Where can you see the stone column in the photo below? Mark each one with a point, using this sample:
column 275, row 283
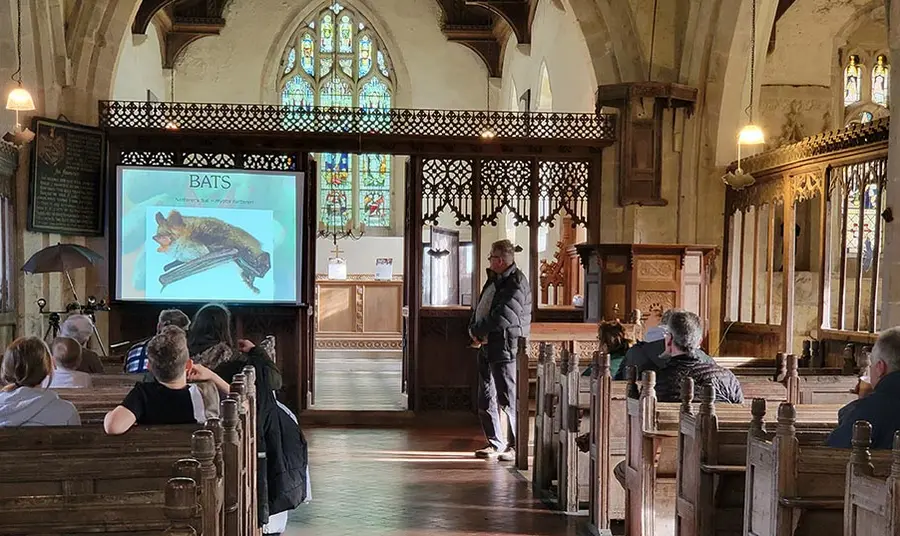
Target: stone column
column 890, row 292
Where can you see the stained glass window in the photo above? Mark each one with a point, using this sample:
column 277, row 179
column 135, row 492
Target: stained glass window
column 291, row 60
column 867, row 203
column 866, row 117
column 852, row 81
column 334, row 53
column 880, row 81
column 307, row 54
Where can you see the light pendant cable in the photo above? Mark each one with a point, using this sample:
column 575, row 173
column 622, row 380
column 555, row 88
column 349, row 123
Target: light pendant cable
column 751, row 134
column 652, row 41
column 488, row 132
column 19, row 100
column 172, row 124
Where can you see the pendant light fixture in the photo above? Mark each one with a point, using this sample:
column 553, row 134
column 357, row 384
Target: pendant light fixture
column 488, row 132
column 19, row 99
column 172, row 124
column 751, row 134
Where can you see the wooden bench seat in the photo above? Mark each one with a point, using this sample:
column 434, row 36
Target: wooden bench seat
column 78, row 480
column 871, row 503
column 796, row 488
column 712, row 458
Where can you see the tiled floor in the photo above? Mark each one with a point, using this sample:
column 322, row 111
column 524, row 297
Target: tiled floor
column 358, row 383
column 422, row 482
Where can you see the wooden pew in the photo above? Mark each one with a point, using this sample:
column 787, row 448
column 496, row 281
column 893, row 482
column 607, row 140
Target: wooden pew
column 871, row 504
column 792, row 484
column 121, row 483
column 712, row 453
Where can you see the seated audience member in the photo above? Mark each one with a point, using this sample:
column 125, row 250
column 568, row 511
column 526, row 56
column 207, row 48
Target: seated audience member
column 66, row 354
column 26, row 363
column 879, row 407
column 612, row 338
column 650, row 354
column 136, row 361
column 683, row 335
column 80, row 328
column 168, row 400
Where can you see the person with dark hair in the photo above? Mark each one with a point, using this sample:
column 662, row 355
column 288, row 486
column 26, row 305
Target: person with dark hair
column 168, row 400
column 501, row 317
column 26, row 363
column 614, row 342
column 66, row 354
column 213, row 344
column 682, row 340
column 136, row 360
column 650, row 353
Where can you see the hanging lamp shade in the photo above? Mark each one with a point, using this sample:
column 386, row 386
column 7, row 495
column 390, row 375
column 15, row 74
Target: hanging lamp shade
column 19, row 100
column 751, row 135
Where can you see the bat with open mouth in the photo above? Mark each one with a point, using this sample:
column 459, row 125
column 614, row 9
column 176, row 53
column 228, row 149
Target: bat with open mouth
column 198, row 244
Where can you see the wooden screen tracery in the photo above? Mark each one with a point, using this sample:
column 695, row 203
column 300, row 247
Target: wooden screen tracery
column 828, row 190
column 506, row 184
column 563, row 187
column 447, row 185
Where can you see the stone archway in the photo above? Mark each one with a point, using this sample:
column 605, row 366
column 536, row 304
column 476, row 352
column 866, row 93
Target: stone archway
column 611, row 39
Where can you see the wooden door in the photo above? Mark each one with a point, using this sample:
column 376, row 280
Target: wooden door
column 409, row 278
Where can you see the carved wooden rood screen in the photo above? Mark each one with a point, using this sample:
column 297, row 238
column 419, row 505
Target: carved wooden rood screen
column 808, row 232
column 538, row 167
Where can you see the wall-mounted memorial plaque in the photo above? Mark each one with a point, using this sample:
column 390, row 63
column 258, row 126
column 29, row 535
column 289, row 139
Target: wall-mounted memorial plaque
column 67, row 186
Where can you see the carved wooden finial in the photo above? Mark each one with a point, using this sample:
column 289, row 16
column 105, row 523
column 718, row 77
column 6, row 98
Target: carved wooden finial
column 203, row 446
column 568, row 362
column 229, row 410
column 865, row 358
column 792, row 370
column 787, row 416
column 758, row 415
column 895, row 456
column 180, row 505
column 707, row 399
column 687, row 396
column 648, row 384
column 847, row 355
column 860, row 455
column 631, row 378
column 780, row 367
column 187, row 468
column 600, row 365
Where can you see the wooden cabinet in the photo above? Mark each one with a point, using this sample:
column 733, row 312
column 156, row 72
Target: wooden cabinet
column 359, row 315
column 620, row 278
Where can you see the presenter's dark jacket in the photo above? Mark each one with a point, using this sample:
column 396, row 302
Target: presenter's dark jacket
column 879, row 408
column 650, row 356
column 509, row 316
column 281, row 475
column 670, row 377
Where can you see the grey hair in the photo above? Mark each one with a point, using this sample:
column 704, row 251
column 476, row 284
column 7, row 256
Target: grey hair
column 174, row 317
column 685, row 329
column 504, row 249
column 667, row 314
column 78, row 327
column 887, row 349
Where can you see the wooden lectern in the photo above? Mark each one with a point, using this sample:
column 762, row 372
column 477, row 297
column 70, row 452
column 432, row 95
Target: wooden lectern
column 619, row 278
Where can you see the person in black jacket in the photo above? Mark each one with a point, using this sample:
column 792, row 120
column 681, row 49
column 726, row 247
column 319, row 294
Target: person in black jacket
column 682, row 340
column 502, row 316
column 650, row 354
column 281, row 484
column 878, row 407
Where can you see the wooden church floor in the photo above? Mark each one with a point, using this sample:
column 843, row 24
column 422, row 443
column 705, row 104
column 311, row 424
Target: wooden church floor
column 416, row 482
column 355, row 383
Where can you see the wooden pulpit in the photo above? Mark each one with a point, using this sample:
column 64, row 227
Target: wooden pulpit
column 619, row 278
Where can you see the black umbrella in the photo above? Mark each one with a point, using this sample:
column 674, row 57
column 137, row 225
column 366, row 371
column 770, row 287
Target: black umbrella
column 61, row 258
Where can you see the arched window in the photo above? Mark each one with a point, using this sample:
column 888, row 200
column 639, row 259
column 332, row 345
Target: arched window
column 880, row 80
column 337, row 59
column 866, row 117
column 852, row 81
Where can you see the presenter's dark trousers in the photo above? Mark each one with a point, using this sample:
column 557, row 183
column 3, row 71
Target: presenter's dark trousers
column 496, row 391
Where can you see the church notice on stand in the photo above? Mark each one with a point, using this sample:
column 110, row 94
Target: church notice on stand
column 384, row 269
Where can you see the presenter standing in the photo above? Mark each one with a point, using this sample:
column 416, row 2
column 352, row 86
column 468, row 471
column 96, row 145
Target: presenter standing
column 502, row 316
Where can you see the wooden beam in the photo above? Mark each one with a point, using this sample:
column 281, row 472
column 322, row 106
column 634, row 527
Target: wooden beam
column 146, row 11
column 516, row 13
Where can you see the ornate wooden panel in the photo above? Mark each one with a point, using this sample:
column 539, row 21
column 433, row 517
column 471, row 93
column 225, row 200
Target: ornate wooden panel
column 446, row 365
column 563, row 186
column 359, row 314
column 506, row 184
column 447, row 185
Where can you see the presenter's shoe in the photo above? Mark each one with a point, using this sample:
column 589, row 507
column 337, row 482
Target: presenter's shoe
column 508, row 455
column 487, row 453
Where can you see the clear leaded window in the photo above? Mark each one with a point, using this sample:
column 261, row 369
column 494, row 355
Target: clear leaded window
column 336, row 59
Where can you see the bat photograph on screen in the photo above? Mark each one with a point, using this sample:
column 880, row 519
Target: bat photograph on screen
column 195, row 235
